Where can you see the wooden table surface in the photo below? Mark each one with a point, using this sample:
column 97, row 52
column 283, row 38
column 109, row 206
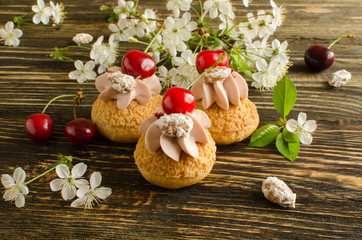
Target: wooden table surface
column 326, row 175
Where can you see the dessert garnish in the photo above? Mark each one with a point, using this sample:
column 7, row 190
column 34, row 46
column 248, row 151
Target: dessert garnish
column 207, row 58
column 178, row 100
column 175, row 125
column 174, row 132
column 319, row 58
column 222, row 86
column 116, row 85
column 39, row 126
column 339, row 78
column 278, row 192
column 138, row 64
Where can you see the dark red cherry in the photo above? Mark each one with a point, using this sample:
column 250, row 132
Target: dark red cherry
column 207, row 58
column 137, row 63
column 39, row 127
column 319, row 58
column 79, row 131
column 178, row 100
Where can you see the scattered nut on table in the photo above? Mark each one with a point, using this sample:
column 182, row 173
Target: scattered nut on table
column 339, row 78
column 278, row 192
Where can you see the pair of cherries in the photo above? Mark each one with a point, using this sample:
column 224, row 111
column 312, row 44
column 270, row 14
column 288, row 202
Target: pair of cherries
column 175, row 99
column 180, row 100
column 39, row 126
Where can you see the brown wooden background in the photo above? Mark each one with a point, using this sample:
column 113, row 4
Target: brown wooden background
column 228, row 204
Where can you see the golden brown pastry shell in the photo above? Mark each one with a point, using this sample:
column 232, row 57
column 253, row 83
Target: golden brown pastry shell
column 232, row 125
column 121, row 125
column 161, row 170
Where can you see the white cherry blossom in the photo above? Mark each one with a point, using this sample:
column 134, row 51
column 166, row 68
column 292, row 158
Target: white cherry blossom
column 246, row 3
column 68, row 181
column 213, row 7
column 120, row 32
column 88, row 194
column 57, row 12
column 302, row 127
column 149, row 18
column 104, row 54
column 124, row 9
column 166, row 76
column 176, row 5
column 9, row 35
column 249, row 29
column 84, row 72
column 136, row 28
column 42, row 13
column 15, row 188
column 267, row 75
column 266, row 25
column 278, row 13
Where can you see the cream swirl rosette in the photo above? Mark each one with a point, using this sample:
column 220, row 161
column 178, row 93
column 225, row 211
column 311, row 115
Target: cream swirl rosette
column 124, row 88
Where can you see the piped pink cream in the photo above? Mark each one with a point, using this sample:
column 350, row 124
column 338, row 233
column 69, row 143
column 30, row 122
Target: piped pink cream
column 176, row 132
column 116, row 85
column 222, row 86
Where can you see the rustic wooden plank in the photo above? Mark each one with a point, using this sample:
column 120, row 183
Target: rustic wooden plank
column 228, row 204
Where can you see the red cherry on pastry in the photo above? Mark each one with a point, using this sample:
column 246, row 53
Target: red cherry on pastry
column 79, row 131
column 207, row 58
column 137, row 63
column 178, row 100
column 39, row 127
column 319, row 58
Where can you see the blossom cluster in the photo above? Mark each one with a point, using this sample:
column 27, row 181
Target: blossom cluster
column 70, row 183
column 175, row 41
column 52, row 13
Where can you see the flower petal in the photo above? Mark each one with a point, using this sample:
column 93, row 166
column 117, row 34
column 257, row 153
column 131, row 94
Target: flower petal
column 79, row 202
column 69, row 192
column 310, row 126
column 8, row 196
column 89, row 65
column 24, row 189
column 302, row 118
column 305, row 137
column 82, row 191
column 292, row 126
column 74, row 74
column 9, row 26
column 170, row 147
column 7, row 180
column 56, row 184
column 79, row 169
column 81, row 183
column 62, row 170
column 79, row 65
column 19, row 175
column 95, row 179
column 20, row 201
column 103, row 192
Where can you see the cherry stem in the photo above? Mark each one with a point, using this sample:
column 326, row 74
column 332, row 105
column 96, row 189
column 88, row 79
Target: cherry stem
column 67, row 160
column 75, row 115
column 61, row 96
column 221, row 58
column 153, row 39
column 338, row 39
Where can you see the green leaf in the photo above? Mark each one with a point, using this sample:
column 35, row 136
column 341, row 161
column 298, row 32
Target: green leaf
column 284, row 96
column 239, row 63
column 289, row 136
column 264, row 136
column 289, row 150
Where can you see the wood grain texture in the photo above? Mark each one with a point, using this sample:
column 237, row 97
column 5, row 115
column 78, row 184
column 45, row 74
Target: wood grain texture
column 326, row 176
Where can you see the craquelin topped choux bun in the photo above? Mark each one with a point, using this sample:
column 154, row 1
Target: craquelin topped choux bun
column 175, row 150
column 124, row 103
column 223, row 94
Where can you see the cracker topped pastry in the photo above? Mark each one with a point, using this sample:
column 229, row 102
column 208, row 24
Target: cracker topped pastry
column 223, row 94
column 176, row 149
column 124, row 102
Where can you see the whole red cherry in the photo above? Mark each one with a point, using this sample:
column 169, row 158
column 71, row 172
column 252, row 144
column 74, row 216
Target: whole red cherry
column 39, row 127
column 319, row 58
column 138, row 64
column 207, row 58
column 178, row 100
column 79, row 131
